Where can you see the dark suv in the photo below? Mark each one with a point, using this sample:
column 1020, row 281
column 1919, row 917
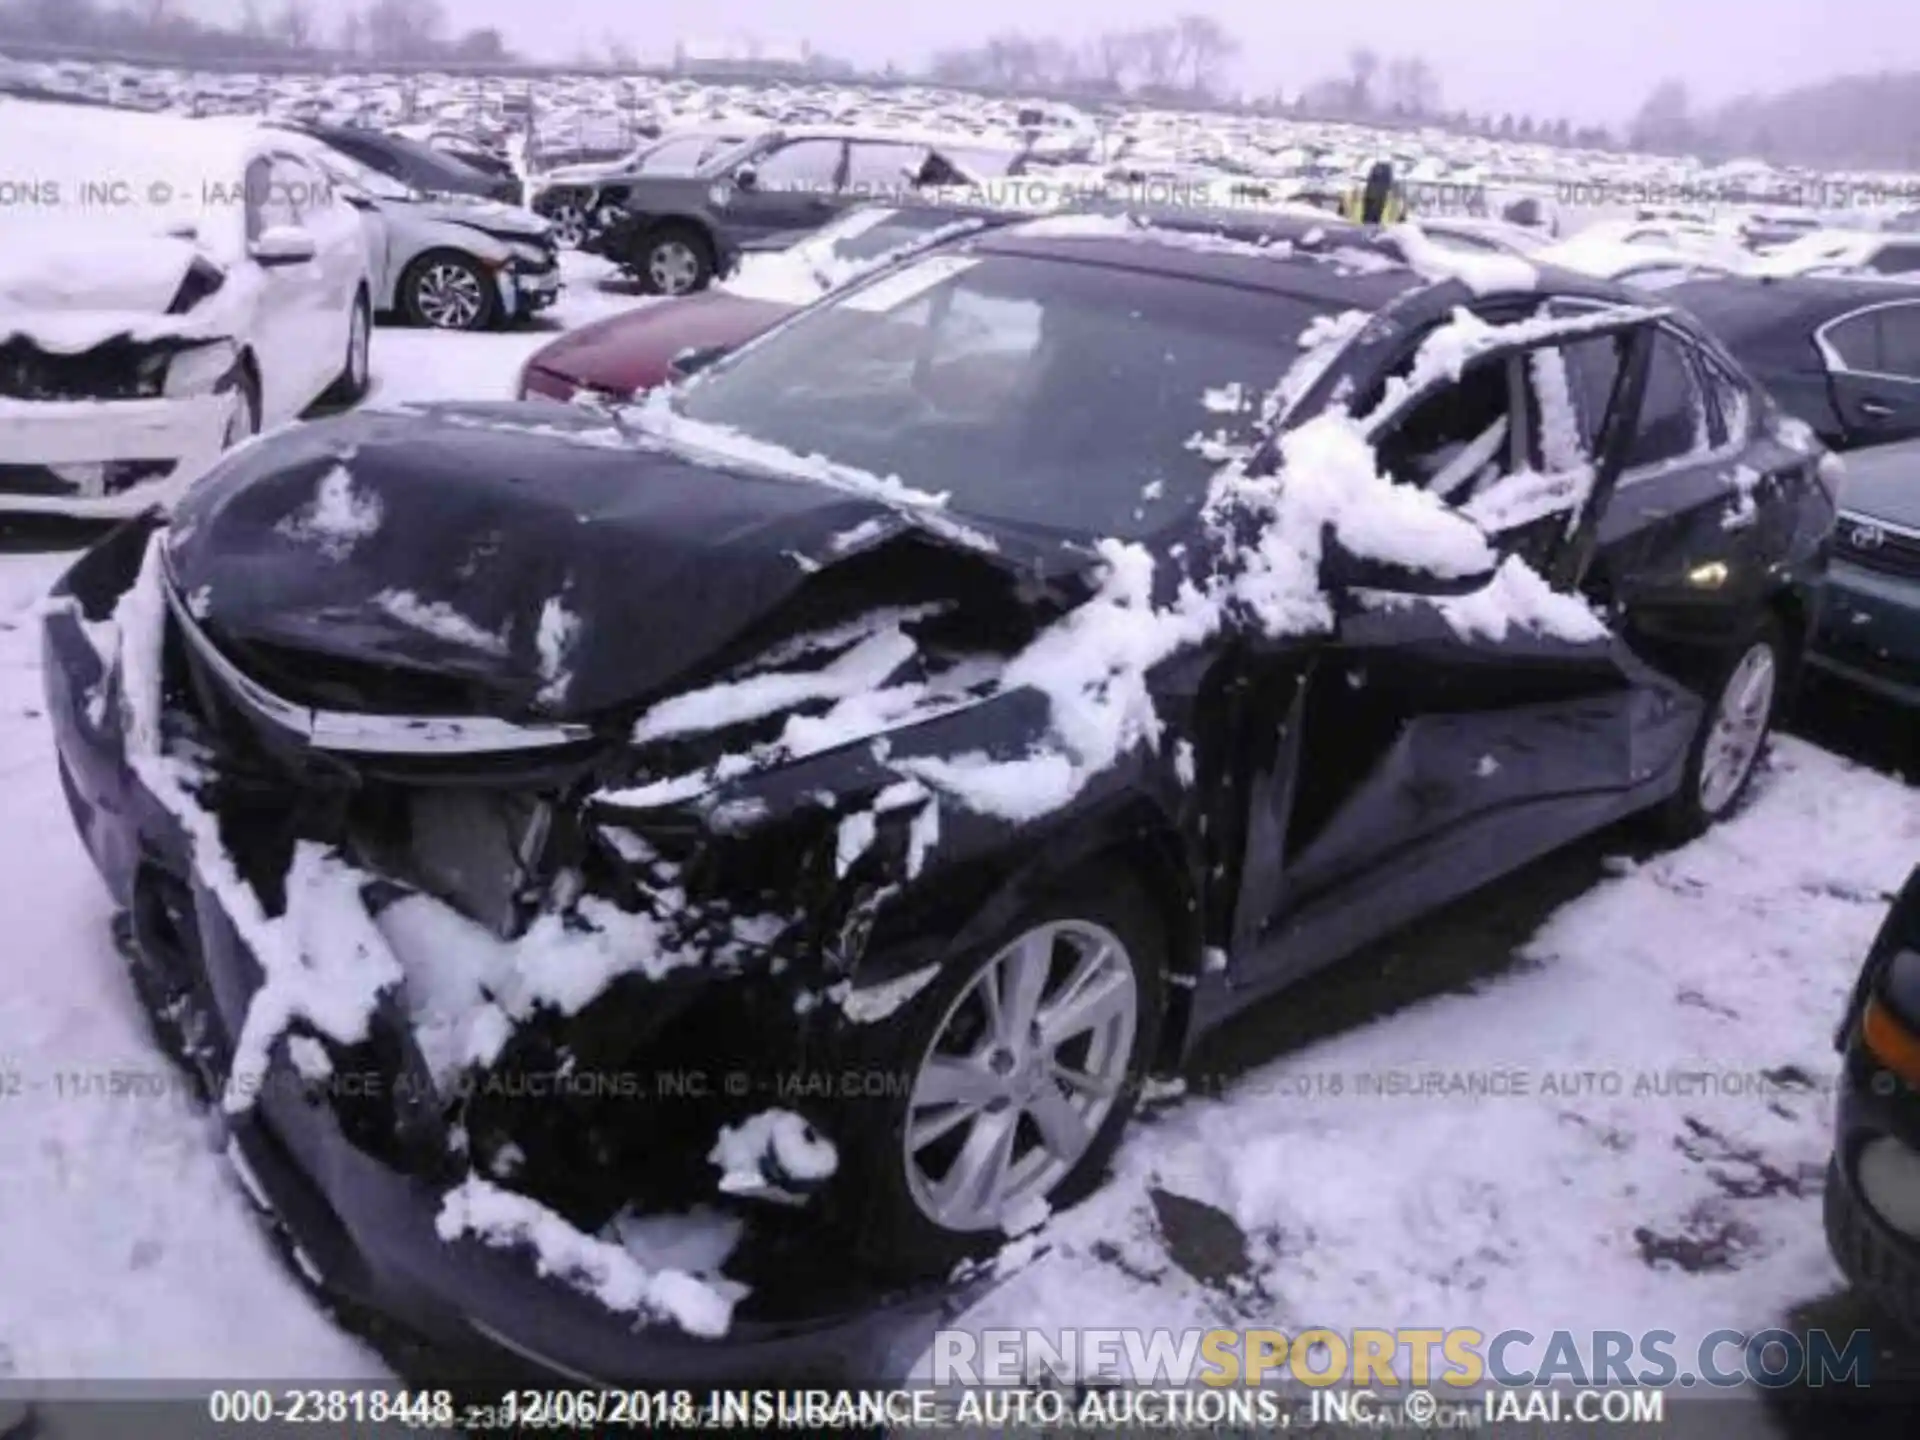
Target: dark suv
column 674, row 233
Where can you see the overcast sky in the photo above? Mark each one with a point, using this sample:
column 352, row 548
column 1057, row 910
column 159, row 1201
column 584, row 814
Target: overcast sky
column 1589, row 62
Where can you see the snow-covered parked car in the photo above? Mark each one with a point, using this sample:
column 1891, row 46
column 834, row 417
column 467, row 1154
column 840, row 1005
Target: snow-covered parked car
column 814, row 798
column 168, row 286
column 1866, row 254
column 451, row 262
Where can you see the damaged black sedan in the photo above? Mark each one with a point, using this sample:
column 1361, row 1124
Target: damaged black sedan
column 604, row 859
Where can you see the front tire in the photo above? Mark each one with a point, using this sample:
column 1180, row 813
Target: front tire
column 1011, row 1077
column 447, row 291
column 1732, row 735
column 673, row 260
column 356, row 371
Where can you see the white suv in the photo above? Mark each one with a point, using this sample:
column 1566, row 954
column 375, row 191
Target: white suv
column 168, row 287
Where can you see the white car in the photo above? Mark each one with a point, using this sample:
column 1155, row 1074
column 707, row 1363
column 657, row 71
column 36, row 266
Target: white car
column 1867, row 254
column 168, row 287
column 451, row 262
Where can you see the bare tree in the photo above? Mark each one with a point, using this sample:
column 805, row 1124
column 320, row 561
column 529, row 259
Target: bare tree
column 295, row 24
column 1115, row 57
column 486, row 46
column 1205, row 46
column 404, row 29
column 1411, row 87
column 1362, row 65
column 1159, row 48
column 353, row 31
column 1663, row 121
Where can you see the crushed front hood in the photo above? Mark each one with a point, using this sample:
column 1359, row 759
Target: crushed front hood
column 545, row 560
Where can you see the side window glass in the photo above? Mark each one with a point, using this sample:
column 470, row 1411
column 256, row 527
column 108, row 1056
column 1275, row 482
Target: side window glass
column 1673, row 412
column 1856, row 341
column 1459, row 439
column 1730, row 399
column 263, row 210
column 1896, row 260
column 883, row 169
column 296, row 190
column 1900, row 341
column 803, row 165
column 1593, row 368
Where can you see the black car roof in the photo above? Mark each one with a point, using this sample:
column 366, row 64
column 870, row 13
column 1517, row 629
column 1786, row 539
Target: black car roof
column 1329, row 262
column 1759, row 315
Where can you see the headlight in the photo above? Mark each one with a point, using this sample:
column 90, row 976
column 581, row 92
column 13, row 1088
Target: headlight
column 1890, row 1182
column 1901, row 986
column 199, row 370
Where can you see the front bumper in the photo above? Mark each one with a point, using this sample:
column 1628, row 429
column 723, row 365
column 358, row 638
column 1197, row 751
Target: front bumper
column 1869, row 631
column 70, row 457
column 527, row 292
column 362, row 1227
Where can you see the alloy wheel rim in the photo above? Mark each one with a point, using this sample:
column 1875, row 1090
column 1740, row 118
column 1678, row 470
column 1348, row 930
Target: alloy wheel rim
column 1739, row 726
column 449, row 297
column 673, row 267
column 1023, row 1070
column 569, row 226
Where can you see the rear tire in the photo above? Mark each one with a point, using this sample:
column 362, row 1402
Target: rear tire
column 1732, row 736
column 897, row 1204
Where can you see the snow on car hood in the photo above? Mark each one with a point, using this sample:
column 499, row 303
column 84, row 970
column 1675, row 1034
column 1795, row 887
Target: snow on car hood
column 550, row 562
column 488, row 215
column 69, row 287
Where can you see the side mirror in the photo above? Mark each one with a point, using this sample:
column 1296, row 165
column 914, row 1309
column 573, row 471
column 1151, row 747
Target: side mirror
column 283, row 245
column 1342, row 571
column 692, row 362
column 746, row 178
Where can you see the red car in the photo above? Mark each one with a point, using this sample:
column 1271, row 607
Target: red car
column 635, row 349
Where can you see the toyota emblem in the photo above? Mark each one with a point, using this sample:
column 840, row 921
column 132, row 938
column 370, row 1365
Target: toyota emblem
column 1866, row 537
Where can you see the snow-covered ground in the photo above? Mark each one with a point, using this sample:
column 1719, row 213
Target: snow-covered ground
column 1653, row 1160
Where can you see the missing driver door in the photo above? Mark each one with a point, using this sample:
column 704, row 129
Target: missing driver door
column 1439, row 740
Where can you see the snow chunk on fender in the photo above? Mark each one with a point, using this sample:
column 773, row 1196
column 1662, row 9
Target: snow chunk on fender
column 605, row 1271
column 339, row 518
column 775, row 1146
column 877, row 1002
column 440, row 620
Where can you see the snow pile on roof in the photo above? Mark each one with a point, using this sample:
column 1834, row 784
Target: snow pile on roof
column 1482, row 273
column 75, row 166
column 804, row 272
column 603, row 1269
